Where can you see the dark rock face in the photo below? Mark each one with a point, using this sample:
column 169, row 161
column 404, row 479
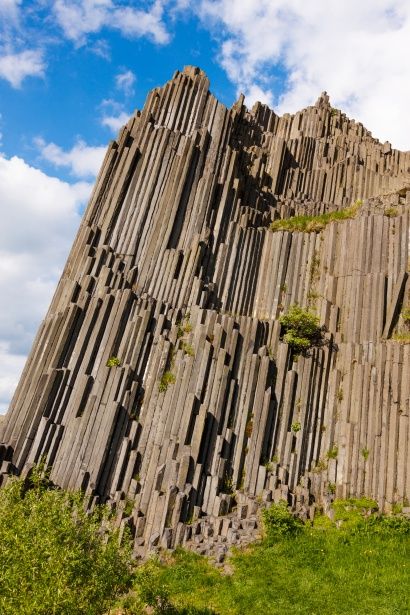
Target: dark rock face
column 159, row 380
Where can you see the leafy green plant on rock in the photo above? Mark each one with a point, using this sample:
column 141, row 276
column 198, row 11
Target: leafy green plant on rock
column 113, row 362
column 405, row 314
column 391, row 212
column 333, row 452
column 167, row 378
column 365, row 453
column 296, row 426
column 301, row 327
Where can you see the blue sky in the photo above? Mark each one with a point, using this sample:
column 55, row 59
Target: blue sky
column 71, row 73
column 108, row 75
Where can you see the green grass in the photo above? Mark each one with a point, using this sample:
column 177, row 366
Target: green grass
column 315, row 224
column 360, row 570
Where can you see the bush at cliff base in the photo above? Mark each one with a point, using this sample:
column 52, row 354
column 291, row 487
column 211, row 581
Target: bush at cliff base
column 54, row 557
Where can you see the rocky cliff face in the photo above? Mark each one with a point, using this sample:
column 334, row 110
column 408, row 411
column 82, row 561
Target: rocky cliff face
column 160, row 381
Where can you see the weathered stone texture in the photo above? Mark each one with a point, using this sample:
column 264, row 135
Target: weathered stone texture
column 174, row 270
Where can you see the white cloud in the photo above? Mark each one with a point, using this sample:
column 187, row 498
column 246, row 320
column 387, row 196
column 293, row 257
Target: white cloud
column 15, row 67
column 114, row 116
column 125, row 81
column 135, row 23
column 79, row 18
column 9, row 9
column 115, row 122
column 358, row 52
column 40, row 215
column 11, row 365
column 81, row 159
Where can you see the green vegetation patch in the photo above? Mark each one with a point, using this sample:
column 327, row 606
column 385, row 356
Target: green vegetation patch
column 315, row 224
column 167, row 378
column 296, row 569
column 113, row 362
column 391, row 212
column 401, row 338
column 405, row 314
column 302, row 329
column 55, row 559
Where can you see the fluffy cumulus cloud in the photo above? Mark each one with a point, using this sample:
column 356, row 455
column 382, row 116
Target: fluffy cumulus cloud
column 357, row 51
column 39, row 221
column 78, row 18
column 115, row 122
column 113, row 115
column 15, row 67
column 125, row 82
column 81, row 160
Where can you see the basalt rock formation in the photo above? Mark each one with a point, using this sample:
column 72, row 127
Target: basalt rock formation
column 160, row 381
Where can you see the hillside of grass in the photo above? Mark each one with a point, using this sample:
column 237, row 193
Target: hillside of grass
column 361, row 568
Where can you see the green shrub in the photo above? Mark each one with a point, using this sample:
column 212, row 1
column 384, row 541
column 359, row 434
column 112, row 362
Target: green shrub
column 113, row 362
column 279, row 522
column 302, row 329
column 295, row 427
column 54, row 557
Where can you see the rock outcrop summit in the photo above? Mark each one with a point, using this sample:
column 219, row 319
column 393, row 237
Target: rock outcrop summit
column 160, row 380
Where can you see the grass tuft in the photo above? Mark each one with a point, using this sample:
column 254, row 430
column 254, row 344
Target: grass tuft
column 315, row 224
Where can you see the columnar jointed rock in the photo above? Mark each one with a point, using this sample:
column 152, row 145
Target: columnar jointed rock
column 158, row 380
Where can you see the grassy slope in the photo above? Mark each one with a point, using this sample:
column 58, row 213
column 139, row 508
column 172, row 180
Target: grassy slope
column 317, row 572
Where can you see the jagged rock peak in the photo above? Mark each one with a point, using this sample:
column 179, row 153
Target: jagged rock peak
column 323, row 100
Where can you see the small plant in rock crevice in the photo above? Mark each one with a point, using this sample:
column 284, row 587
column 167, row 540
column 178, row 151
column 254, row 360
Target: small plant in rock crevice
column 296, row 426
column 167, row 378
column 405, row 314
column 187, row 349
column 333, row 452
column 113, row 362
column 331, row 487
column 365, row 453
column 249, row 427
column 391, row 212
